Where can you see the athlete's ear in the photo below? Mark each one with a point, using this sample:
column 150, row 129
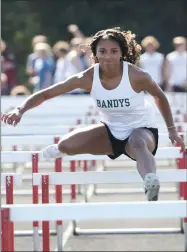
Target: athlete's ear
column 96, row 59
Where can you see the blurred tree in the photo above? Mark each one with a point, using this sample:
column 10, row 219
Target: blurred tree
column 21, row 20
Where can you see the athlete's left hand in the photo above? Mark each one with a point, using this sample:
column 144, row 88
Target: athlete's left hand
column 176, row 139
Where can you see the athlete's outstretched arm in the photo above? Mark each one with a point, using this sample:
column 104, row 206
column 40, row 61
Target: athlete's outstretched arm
column 147, row 84
column 77, row 81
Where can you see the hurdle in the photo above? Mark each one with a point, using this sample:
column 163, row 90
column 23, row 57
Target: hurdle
column 15, row 179
column 9, row 180
column 21, row 140
column 20, row 129
column 58, row 192
column 92, row 211
column 89, row 211
column 82, row 101
column 24, row 156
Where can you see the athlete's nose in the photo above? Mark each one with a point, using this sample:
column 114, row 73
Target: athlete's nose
column 107, row 56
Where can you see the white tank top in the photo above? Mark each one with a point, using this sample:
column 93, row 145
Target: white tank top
column 152, row 63
column 121, row 108
column 178, row 67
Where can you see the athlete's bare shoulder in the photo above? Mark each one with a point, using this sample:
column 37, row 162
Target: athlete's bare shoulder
column 137, row 72
column 137, row 76
column 86, row 78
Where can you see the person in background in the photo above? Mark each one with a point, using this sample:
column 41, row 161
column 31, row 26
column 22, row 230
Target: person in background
column 4, row 84
column 64, row 67
column 8, row 70
column 31, row 57
column 153, row 61
column 43, row 67
column 75, row 31
column 176, row 65
column 77, row 56
column 20, row 90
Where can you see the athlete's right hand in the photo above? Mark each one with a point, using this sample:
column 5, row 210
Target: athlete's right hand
column 12, row 118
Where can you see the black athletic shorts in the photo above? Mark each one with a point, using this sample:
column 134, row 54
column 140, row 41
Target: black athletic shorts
column 118, row 146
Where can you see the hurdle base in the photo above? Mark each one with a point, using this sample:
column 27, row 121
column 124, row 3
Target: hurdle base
column 21, row 233
column 118, row 231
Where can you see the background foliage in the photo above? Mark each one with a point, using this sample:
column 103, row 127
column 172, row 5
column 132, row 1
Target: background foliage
column 21, row 20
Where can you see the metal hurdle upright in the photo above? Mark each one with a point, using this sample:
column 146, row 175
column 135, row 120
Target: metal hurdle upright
column 8, row 180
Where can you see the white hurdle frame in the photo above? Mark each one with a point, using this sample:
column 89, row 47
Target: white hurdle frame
column 60, row 129
column 108, row 177
column 21, row 140
column 98, row 210
column 26, row 156
column 92, row 211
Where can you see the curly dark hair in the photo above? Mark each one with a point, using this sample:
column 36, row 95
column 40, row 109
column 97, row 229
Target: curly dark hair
column 130, row 49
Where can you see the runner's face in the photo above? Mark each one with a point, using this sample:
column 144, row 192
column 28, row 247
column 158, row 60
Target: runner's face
column 108, row 52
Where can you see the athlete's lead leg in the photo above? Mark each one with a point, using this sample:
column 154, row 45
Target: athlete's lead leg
column 92, row 139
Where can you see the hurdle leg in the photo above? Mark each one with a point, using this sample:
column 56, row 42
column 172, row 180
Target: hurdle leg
column 14, row 148
column 36, row 237
column 93, row 164
column 181, row 164
column 185, row 219
column 85, row 169
column 79, row 191
column 9, row 200
column 185, row 236
column 45, row 224
column 73, row 193
column 6, row 231
column 59, row 223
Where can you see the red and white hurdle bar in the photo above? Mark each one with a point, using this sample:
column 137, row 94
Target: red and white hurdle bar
column 8, row 182
column 16, row 142
column 9, row 191
column 80, row 211
column 25, row 156
column 62, row 129
column 29, row 140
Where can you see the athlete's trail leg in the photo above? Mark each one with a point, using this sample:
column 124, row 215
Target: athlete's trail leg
column 140, row 146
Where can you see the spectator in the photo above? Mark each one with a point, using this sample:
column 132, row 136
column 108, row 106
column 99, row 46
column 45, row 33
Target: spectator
column 31, row 57
column 78, row 57
column 64, row 67
column 75, row 31
column 20, row 90
column 176, row 65
column 88, row 52
column 4, row 84
column 153, row 61
column 8, row 70
column 42, row 67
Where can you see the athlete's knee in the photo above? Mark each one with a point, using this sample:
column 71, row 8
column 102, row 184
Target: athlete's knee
column 67, row 147
column 136, row 140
